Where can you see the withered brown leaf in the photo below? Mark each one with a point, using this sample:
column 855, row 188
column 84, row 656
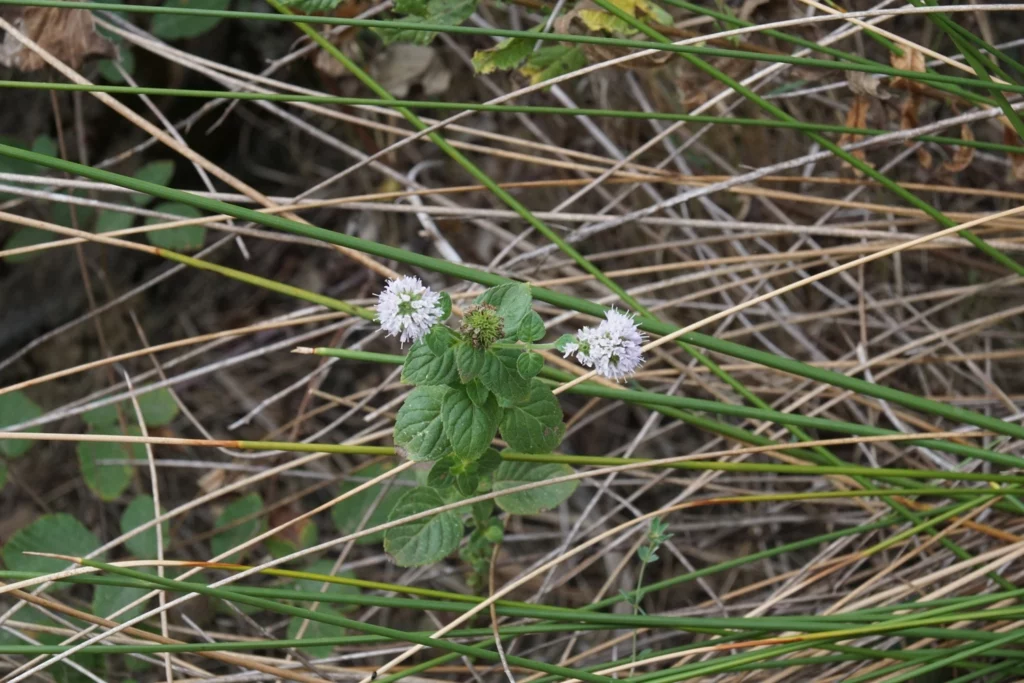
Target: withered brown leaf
column 1010, row 137
column 964, row 155
column 908, row 120
column 857, row 117
column 69, row 35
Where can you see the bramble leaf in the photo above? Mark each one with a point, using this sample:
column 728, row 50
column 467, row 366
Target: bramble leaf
column 447, row 12
column 550, row 62
column 508, row 54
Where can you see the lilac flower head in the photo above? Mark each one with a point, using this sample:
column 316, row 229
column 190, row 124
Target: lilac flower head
column 613, row 348
column 408, row 308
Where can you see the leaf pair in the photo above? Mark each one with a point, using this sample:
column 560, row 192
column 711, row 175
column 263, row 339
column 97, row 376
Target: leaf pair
column 432, row 538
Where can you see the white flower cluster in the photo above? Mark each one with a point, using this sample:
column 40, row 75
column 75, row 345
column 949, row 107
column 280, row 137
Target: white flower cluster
column 613, row 348
column 408, row 308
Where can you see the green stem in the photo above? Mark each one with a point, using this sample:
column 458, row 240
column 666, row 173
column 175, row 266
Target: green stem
column 495, row 108
column 532, row 35
column 954, row 413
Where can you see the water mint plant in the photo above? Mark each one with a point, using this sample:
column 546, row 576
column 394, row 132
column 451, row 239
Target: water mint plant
column 472, row 385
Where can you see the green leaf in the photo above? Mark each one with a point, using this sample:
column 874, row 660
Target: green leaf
column 299, row 535
column 534, row 425
column 440, row 339
column 418, row 428
column 158, row 410
column 44, row 144
column 424, row 367
column 127, row 58
column 467, row 483
column 58, row 533
column 311, row 6
column 185, row 238
column 348, row 513
column 549, row 62
column 469, row 361
column 247, row 506
column 107, row 482
column 599, row 20
column 441, row 475
column 564, row 341
column 415, row 7
column 3, row 473
column 501, row 376
column 178, row 26
column 513, row 303
column 17, row 407
column 482, row 511
column 60, row 213
column 529, row 364
column 531, row 328
column 157, row 172
column 477, row 392
column 158, row 407
column 448, row 12
column 9, row 165
column 108, row 599
column 316, row 629
column 141, row 511
column 446, row 306
column 489, row 462
column 104, row 415
column 470, row 428
column 508, row 54
column 423, row 541
column 511, row 474
column 26, row 237
column 109, row 221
